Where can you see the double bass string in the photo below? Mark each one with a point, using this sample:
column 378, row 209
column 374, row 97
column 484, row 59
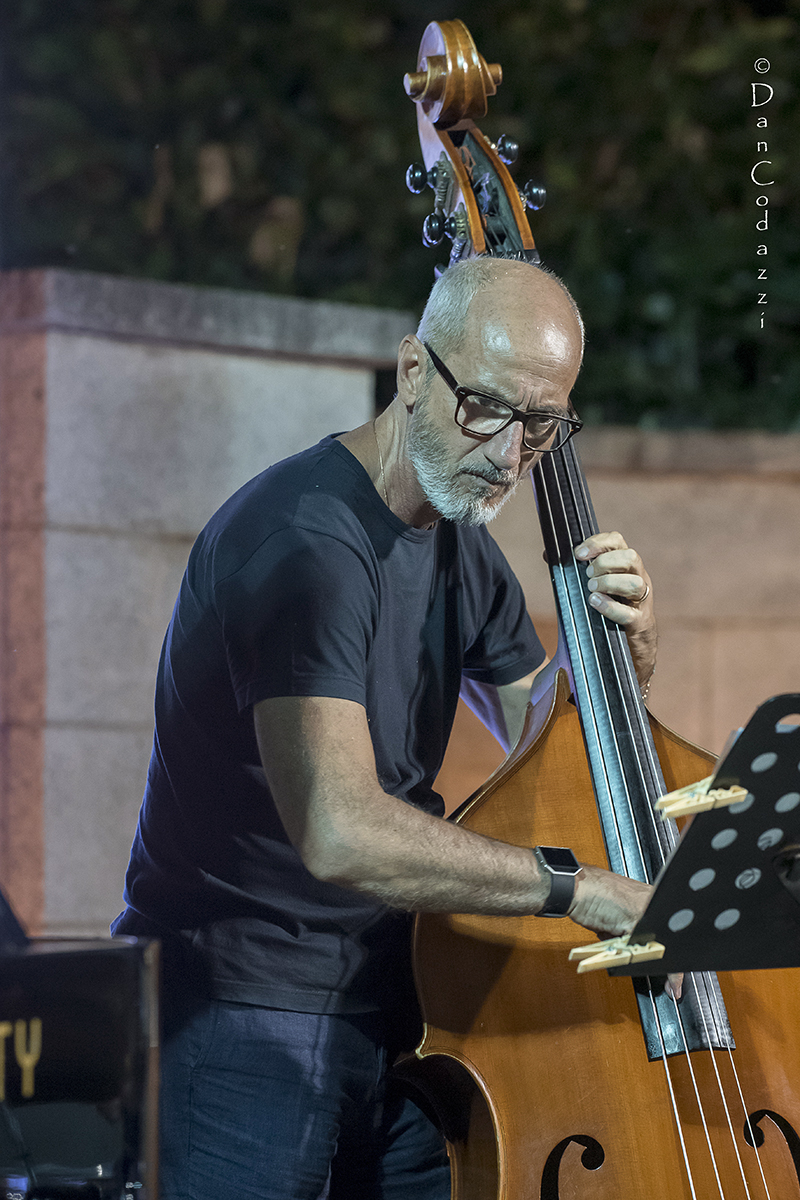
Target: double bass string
column 723, row 1096
column 624, row 672
column 576, row 519
column 728, row 1118
column 635, row 712
column 575, row 612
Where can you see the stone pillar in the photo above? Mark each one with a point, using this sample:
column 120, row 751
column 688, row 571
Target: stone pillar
column 22, row 612
column 129, row 411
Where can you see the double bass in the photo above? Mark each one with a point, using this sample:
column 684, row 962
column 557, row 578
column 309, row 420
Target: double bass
column 549, row 1085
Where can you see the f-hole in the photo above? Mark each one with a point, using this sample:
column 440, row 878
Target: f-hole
column 754, row 1134
column 592, row 1158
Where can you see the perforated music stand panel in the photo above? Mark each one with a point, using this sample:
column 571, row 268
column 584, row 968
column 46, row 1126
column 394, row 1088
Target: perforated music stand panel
column 720, row 903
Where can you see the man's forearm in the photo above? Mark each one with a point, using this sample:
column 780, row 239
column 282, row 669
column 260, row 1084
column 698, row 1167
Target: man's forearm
column 410, row 860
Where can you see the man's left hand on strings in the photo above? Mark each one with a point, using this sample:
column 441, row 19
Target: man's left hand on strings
column 620, row 589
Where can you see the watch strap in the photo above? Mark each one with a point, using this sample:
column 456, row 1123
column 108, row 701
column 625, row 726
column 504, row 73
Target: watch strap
column 562, row 891
column 562, row 866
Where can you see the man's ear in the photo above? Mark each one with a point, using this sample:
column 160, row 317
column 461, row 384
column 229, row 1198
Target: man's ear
column 412, row 368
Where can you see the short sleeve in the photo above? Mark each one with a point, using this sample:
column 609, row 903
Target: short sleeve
column 298, row 619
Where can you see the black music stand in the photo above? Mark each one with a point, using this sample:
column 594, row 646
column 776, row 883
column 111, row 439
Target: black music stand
column 79, row 1066
column 728, row 897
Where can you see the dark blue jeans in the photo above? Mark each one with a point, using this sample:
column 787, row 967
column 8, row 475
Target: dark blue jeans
column 262, row 1104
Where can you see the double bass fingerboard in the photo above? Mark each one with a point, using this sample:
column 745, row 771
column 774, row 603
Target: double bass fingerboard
column 623, row 762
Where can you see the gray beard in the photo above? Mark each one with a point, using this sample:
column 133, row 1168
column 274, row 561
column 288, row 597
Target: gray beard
column 454, row 497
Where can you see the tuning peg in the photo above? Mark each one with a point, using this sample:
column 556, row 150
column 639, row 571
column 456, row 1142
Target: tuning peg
column 457, row 224
column 433, row 229
column 534, row 195
column 507, row 149
column 416, row 178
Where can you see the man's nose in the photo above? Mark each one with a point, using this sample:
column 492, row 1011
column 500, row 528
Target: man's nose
column 506, row 450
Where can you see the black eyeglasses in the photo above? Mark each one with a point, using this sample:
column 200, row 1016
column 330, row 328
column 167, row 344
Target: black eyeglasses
column 484, row 416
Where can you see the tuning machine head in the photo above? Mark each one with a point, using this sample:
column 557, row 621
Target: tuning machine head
column 507, row 149
column 416, row 178
column 534, row 195
column 433, row 229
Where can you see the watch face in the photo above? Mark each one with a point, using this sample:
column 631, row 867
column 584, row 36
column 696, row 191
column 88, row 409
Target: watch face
column 559, row 858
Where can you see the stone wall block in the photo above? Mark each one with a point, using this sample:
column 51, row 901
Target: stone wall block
column 129, row 410
column 22, row 821
column 147, row 438
column 109, row 600
column 22, row 422
column 682, row 692
column 94, row 780
column 22, row 627
column 750, row 664
column 165, row 312
column 714, row 548
column 699, row 452
column 22, row 618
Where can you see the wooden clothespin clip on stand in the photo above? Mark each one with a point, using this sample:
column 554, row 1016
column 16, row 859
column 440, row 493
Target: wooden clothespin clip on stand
column 616, row 952
column 696, row 798
column 684, row 802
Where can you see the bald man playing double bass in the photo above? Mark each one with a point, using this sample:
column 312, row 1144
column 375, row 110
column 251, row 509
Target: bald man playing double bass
column 330, row 614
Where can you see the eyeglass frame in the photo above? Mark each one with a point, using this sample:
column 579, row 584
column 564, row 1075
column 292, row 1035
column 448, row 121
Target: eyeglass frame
column 463, row 393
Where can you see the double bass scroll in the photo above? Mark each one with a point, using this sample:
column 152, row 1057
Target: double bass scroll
column 476, row 204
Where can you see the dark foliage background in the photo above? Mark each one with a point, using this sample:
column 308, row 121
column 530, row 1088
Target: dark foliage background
column 259, row 144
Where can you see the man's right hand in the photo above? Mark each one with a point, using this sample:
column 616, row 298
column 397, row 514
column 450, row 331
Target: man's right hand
column 610, row 905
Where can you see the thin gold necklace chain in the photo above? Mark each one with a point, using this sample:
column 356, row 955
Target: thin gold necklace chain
column 380, row 460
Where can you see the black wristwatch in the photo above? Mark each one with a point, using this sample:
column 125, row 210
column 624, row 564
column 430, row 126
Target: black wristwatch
column 562, row 866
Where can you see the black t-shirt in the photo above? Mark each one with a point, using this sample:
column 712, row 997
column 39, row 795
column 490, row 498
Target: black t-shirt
column 305, row 584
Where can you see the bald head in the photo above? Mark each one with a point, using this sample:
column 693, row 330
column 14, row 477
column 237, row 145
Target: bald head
column 494, row 299
column 512, row 339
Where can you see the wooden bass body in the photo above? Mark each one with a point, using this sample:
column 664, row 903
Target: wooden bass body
column 540, row 1077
